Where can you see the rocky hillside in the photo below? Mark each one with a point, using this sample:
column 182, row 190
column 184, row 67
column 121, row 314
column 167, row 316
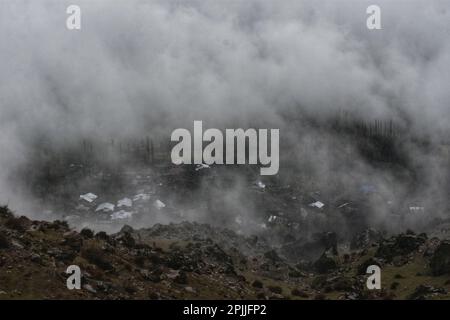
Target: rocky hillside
column 196, row 261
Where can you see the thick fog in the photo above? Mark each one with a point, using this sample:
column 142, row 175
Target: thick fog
column 149, row 67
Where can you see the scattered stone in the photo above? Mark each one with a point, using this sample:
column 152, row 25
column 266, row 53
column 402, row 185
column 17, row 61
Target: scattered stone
column 173, row 274
column 424, row 292
column 128, row 264
column 190, row 289
column 276, row 296
column 89, row 288
column 17, row 244
column 351, row 296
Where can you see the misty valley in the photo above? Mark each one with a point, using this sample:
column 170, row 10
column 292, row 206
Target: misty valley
column 197, row 150
column 294, row 220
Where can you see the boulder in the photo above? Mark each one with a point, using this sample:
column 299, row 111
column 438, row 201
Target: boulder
column 440, row 261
